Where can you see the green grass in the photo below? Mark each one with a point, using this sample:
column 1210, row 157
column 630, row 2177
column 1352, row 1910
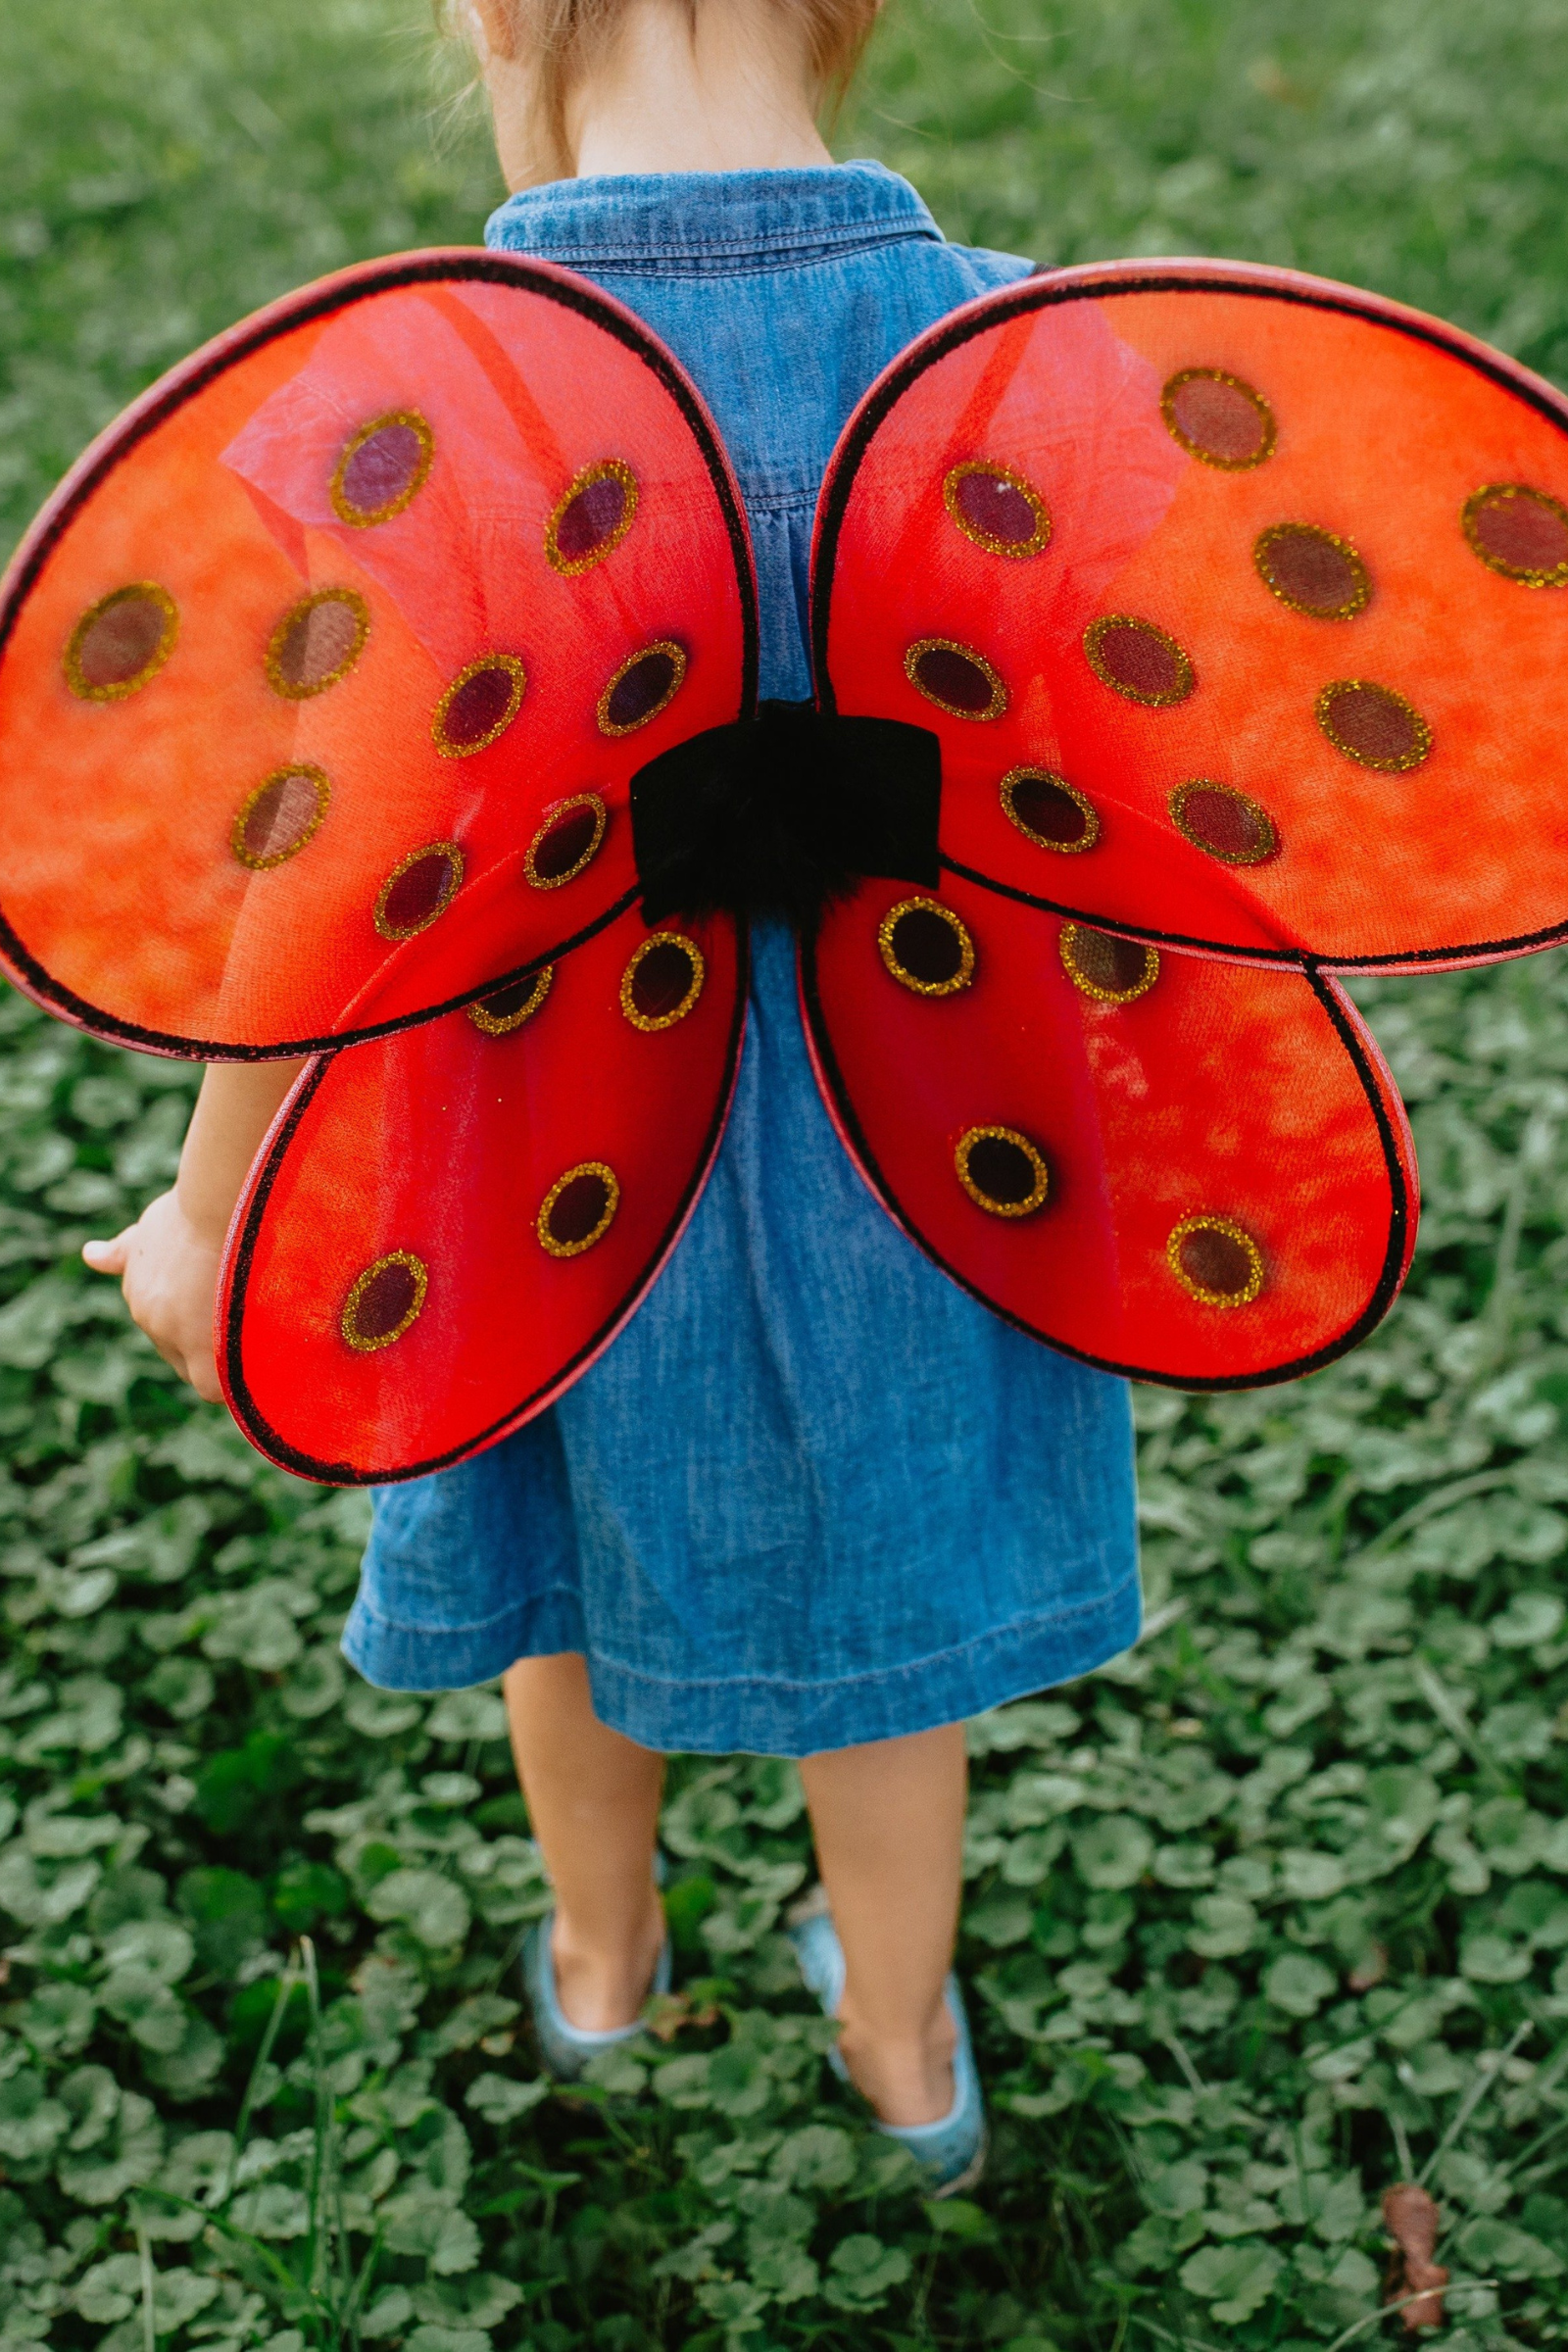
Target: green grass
column 1267, row 1916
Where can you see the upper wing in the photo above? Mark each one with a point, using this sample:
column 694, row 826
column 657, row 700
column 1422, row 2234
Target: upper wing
column 447, row 1225
column 323, row 675
column 1183, row 1169
column 1239, row 600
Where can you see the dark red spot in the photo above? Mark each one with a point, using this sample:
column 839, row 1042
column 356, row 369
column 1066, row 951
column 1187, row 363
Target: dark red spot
column 639, row 691
column 1215, row 1261
column 317, row 643
column 1001, row 1170
column 1374, row 725
column 118, row 646
column 481, row 706
column 578, row 1209
column 382, row 470
column 996, row 508
column 1219, row 420
column 663, row 980
column 1116, row 966
column 1142, row 663
column 926, row 946
column 1310, row 569
column 385, row 1300
column 502, row 1003
column 594, row 515
column 566, row 845
column 1521, row 530
column 418, row 895
column 1049, row 810
column 281, row 818
column 1227, row 824
column 953, row 678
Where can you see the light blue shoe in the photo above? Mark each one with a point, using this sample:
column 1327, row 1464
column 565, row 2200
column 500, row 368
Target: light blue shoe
column 951, row 2152
column 564, row 2047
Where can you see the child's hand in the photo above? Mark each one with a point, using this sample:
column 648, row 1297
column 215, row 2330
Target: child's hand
column 168, row 1272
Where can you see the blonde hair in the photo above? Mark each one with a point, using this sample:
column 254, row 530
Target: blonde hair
column 569, row 37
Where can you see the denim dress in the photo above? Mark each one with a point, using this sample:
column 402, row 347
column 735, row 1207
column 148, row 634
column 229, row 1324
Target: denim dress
column 813, row 1493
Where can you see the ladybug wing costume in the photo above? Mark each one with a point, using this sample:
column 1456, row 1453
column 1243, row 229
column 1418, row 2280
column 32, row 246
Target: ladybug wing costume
column 383, row 688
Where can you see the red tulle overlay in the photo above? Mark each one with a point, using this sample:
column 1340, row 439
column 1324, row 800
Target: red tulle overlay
column 1189, row 1170
column 323, row 679
column 447, row 1225
column 1239, row 602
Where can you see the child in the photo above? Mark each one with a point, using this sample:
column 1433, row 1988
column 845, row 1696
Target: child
column 815, row 1501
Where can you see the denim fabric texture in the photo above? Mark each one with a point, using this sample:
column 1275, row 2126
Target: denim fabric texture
column 815, row 1493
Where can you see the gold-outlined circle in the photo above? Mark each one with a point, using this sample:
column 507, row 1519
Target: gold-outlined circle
column 360, row 518
column 1360, row 594
column 1034, row 1200
column 1177, row 805
column 1195, row 449
column 422, row 1283
column 901, row 972
column 579, row 800
column 274, row 657
column 1047, row 775
column 1205, row 1223
column 448, row 749
column 966, row 653
column 585, row 1168
column 455, row 870
column 1405, row 760
column 311, row 775
column 119, row 688
column 1081, row 981
column 493, row 1024
column 649, row 1022
column 602, row 469
column 1557, row 576
column 1018, row 549
column 1099, row 630
column 660, row 645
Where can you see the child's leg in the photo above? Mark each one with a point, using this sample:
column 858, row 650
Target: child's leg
column 889, row 1825
column 593, row 1799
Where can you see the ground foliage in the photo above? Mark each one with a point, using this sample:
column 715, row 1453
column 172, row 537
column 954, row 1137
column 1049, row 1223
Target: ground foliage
column 1264, row 1918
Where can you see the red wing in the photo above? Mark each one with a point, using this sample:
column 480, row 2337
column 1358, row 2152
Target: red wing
column 1238, row 600
column 322, row 678
column 447, row 1225
column 1183, row 1169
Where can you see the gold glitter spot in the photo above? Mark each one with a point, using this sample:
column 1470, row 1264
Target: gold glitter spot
column 1373, row 725
column 926, row 947
column 1219, row 419
column 593, row 518
column 278, row 818
column 1224, row 823
column 567, row 842
column 1139, row 660
column 419, row 890
column 384, row 1301
column 645, row 684
column 1215, row 1261
column 120, row 643
column 316, row 642
column 507, row 1008
column 382, row 470
column 1313, row 570
column 1111, row 970
column 663, row 980
column 478, row 705
column 1002, row 1171
column 1519, row 532
column 997, row 509
column 955, row 677
column 578, row 1210
column 1049, row 810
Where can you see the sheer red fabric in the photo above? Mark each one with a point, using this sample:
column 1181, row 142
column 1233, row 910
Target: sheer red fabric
column 1234, row 600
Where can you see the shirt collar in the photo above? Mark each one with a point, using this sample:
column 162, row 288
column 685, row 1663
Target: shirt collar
column 711, row 222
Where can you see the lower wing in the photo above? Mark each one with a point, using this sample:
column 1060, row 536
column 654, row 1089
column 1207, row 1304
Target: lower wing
column 446, row 1226
column 1187, row 1170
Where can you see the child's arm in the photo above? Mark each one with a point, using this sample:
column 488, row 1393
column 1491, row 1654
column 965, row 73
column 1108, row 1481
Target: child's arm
column 169, row 1258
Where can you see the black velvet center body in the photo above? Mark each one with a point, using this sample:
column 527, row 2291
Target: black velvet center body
column 784, row 814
